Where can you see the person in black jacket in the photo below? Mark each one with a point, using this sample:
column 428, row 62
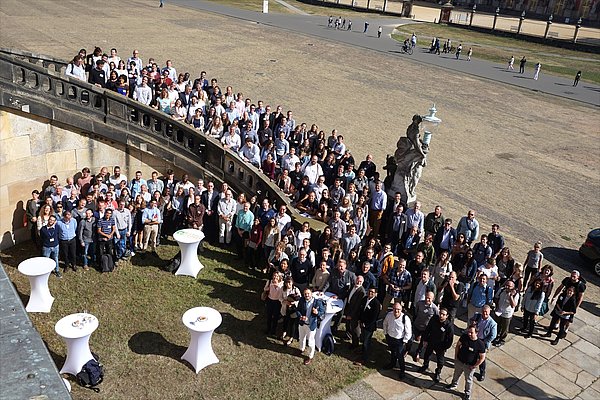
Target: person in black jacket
column 97, row 75
column 369, row 312
column 564, row 311
column 437, row 338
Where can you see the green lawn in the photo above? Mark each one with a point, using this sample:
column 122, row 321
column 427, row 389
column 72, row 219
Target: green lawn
column 141, row 337
column 498, row 49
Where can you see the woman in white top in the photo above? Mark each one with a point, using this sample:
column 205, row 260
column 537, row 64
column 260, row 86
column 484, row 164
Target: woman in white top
column 271, row 236
column 216, row 131
column 303, row 233
column 75, row 69
column 441, row 270
column 273, row 290
column 179, row 111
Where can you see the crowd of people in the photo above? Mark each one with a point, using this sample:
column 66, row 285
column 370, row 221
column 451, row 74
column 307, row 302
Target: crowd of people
column 394, row 267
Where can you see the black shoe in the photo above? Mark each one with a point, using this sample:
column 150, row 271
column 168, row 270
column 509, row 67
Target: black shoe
column 528, row 336
column 58, row 274
column 548, row 334
column 466, row 396
column 389, row 366
column 480, row 377
column 422, row 369
column 451, row 386
column 554, row 342
column 436, row 377
column 401, row 375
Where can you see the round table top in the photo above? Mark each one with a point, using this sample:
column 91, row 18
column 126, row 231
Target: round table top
column 202, row 319
column 76, row 325
column 37, row 266
column 333, row 305
column 188, row 235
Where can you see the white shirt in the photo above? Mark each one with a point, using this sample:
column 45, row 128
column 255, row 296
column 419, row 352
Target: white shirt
column 395, row 328
column 313, row 172
column 76, row 71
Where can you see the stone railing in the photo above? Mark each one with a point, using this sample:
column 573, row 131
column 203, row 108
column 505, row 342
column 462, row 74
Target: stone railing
column 27, row 85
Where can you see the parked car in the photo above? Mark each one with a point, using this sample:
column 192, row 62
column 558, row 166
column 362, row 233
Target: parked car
column 590, row 249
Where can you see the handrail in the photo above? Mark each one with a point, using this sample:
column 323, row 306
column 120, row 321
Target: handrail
column 151, row 129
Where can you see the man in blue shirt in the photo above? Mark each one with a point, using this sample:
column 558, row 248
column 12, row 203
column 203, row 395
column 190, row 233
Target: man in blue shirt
column 67, row 233
column 135, row 186
column 107, row 230
column 480, row 294
column 49, row 239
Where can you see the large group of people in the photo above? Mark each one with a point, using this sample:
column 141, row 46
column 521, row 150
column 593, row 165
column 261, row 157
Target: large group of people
column 394, row 267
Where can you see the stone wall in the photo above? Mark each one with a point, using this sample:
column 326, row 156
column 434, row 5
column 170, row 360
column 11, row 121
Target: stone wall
column 31, row 150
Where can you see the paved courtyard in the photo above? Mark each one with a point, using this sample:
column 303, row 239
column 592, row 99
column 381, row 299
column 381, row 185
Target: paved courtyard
column 525, row 159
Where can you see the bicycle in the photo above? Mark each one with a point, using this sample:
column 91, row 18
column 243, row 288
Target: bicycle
column 407, row 49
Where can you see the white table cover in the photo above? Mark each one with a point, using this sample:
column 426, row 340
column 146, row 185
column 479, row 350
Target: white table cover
column 188, row 240
column 38, row 269
column 333, row 307
column 77, row 340
column 202, row 322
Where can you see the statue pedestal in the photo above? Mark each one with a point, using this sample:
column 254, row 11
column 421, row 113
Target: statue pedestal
column 402, row 184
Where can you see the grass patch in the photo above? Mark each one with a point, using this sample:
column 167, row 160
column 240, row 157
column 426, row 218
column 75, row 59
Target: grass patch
column 141, row 338
column 256, row 5
column 498, row 49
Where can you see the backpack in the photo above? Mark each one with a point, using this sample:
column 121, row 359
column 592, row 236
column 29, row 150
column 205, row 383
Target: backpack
column 106, row 263
column 91, row 374
column 328, row 346
column 488, row 299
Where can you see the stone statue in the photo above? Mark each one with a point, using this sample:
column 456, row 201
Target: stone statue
column 411, row 157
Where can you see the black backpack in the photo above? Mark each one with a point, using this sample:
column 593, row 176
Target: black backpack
column 91, row 374
column 328, row 346
column 106, row 263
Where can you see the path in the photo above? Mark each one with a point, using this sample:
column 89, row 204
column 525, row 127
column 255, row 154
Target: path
column 317, row 26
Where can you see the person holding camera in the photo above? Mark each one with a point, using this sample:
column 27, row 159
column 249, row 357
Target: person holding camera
column 507, row 300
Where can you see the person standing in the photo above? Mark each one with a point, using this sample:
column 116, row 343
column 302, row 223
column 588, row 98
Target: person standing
column 536, row 71
column 369, row 313
column 506, row 302
column 124, row 223
column 366, row 27
column 425, row 310
column 487, row 330
column 522, row 65
column 49, row 239
column 511, row 64
column 352, row 310
column 533, row 263
column 577, row 78
column 398, row 331
column 469, row 54
column 532, row 304
column 309, row 311
column 151, row 219
column 87, row 238
column 564, row 311
column 438, row 337
column 468, row 355
column 379, row 30
column 67, row 233
column 31, row 210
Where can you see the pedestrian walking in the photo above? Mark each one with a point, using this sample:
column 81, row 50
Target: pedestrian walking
column 413, row 40
column 366, row 27
column 458, row 50
column 522, row 65
column 511, row 64
column 469, row 54
column 161, row 4
column 379, row 30
column 536, row 71
column 344, row 23
column 330, row 21
column 577, row 78
column 349, row 24
column 437, row 46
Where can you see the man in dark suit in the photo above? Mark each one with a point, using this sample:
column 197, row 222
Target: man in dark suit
column 352, row 310
column 169, row 181
column 444, row 237
column 210, row 199
column 396, row 227
column 369, row 312
column 186, row 96
column 309, row 311
column 369, row 166
column 408, row 244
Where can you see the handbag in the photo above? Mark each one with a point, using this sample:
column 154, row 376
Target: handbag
column 264, row 295
column 252, row 245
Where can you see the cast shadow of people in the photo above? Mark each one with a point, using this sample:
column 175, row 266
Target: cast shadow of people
column 523, row 388
column 153, row 343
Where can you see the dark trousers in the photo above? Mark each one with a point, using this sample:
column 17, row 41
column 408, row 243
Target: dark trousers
column 503, row 325
column 397, row 351
column 68, row 252
column 528, row 322
column 439, row 356
column 562, row 330
column 105, row 247
column 418, row 334
column 365, row 337
column 529, row 272
column 252, row 256
column 290, row 325
column 273, row 314
column 482, row 367
column 353, row 330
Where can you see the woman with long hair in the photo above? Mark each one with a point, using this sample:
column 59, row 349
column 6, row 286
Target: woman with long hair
column 505, row 263
column 216, row 129
column 532, row 304
column 45, row 212
column 138, row 224
column 271, row 236
column 180, row 112
column 163, row 102
column 112, row 82
column 290, row 295
column 459, row 249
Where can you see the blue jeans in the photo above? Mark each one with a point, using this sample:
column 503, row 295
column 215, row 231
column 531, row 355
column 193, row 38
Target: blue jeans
column 121, row 243
column 89, row 249
column 51, row 252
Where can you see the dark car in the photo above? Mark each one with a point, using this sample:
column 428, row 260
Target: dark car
column 590, row 250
